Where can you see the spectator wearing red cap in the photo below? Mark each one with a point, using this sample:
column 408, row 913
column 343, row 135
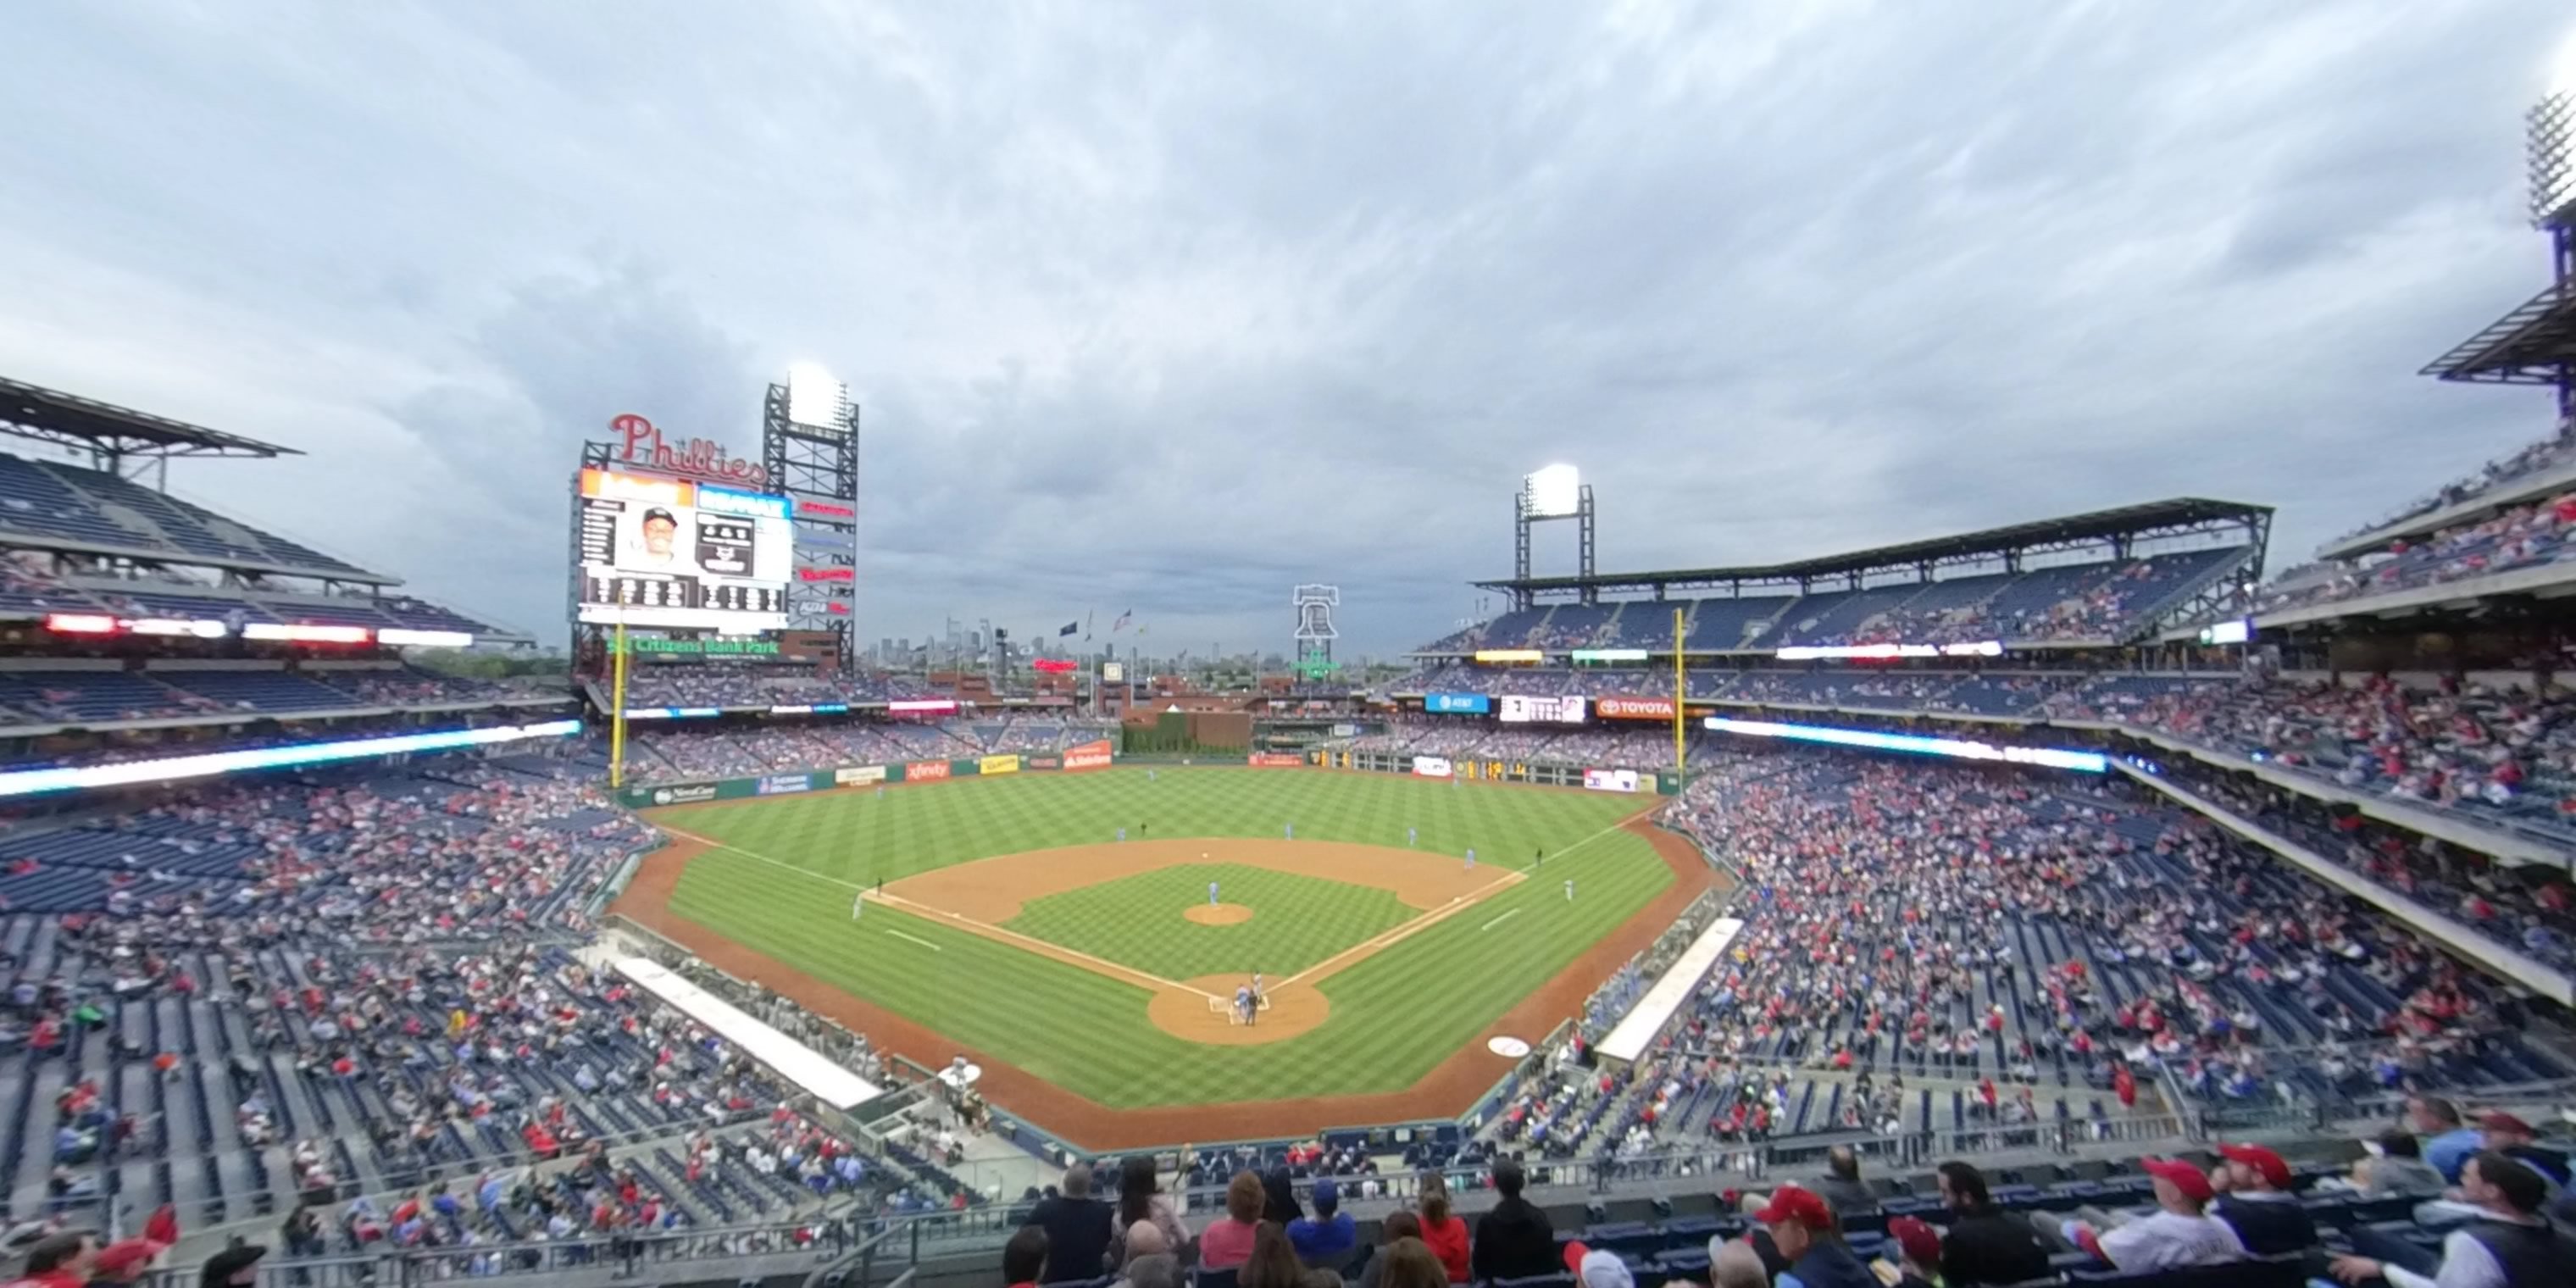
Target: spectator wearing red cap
column 1811, row 1241
column 1918, row 1254
column 2177, row 1234
column 2514, row 1138
column 2257, row 1203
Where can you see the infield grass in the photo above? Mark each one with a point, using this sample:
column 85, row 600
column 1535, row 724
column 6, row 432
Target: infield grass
column 1296, row 922
column 784, row 881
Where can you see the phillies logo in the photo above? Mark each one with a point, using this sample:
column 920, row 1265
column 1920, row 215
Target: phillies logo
column 701, row 457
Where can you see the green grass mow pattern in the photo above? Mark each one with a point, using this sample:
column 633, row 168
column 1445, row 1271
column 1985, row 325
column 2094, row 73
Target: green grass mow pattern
column 1137, row 921
column 783, row 882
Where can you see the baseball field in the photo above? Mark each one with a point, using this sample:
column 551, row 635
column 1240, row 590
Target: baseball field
column 1094, row 976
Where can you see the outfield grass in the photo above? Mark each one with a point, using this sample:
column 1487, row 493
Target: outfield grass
column 1135, row 921
column 784, row 887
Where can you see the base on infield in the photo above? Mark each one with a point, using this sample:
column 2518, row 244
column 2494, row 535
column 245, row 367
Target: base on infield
column 1286, row 1012
column 1218, row 914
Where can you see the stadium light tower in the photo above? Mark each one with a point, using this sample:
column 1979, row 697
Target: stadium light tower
column 1555, row 492
column 809, row 434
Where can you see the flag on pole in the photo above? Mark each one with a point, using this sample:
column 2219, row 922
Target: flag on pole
column 1068, row 628
column 1121, row 623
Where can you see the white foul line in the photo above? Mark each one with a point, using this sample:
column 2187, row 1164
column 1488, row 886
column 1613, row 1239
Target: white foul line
column 923, row 942
column 713, row 843
column 1500, row 920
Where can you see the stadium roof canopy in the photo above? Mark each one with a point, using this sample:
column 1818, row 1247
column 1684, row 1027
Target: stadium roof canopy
column 69, row 420
column 2535, row 344
column 2152, row 519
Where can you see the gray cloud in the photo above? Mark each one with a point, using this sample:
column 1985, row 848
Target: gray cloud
column 1174, row 307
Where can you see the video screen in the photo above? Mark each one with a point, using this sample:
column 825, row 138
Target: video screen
column 673, row 553
column 1514, row 709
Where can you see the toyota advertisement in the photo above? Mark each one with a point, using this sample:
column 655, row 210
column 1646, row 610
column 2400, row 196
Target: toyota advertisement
column 1633, row 708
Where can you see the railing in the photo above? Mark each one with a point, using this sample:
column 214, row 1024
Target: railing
column 623, row 1255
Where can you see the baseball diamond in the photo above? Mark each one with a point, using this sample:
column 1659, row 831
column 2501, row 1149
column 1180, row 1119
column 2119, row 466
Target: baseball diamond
column 1094, row 979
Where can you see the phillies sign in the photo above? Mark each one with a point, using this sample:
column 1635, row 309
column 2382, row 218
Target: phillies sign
column 703, row 458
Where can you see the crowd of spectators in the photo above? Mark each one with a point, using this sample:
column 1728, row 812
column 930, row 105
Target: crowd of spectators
column 661, row 755
column 359, row 997
column 1973, row 923
column 2504, row 750
column 2066, row 602
column 2525, row 536
column 2548, row 454
column 716, row 685
column 2498, row 753
column 2527, row 907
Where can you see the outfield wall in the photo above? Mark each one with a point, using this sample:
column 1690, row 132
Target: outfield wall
column 1082, row 756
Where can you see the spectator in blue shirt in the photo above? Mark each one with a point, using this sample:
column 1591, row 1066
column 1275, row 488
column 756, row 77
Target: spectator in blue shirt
column 2449, row 1142
column 1326, row 1239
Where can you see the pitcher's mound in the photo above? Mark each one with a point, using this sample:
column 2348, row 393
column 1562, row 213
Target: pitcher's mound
column 1219, row 914
column 1183, row 1012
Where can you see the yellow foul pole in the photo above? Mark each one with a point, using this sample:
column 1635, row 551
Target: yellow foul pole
column 617, row 709
column 1677, row 692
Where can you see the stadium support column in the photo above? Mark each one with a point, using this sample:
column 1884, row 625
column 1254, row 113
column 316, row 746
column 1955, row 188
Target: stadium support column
column 810, row 445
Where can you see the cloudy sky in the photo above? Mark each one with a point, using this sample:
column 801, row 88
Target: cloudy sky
column 1171, row 306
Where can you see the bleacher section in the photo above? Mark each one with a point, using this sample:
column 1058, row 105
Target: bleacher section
column 2093, row 601
column 53, row 499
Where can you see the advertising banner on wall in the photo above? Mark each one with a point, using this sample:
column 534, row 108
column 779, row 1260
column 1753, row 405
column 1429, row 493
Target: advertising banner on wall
column 1517, row 709
column 1461, row 703
column 782, row 784
column 1041, row 762
column 1089, row 755
column 1275, row 760
column 1432, row 766
column 1006, row 764
column 1610, row 780
column 683, row 793
column 859, row 775
column 925, row 771
column 1633, row 708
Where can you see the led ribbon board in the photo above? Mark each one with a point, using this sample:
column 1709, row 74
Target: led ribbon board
column 1952, row 748
column 32, row 782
